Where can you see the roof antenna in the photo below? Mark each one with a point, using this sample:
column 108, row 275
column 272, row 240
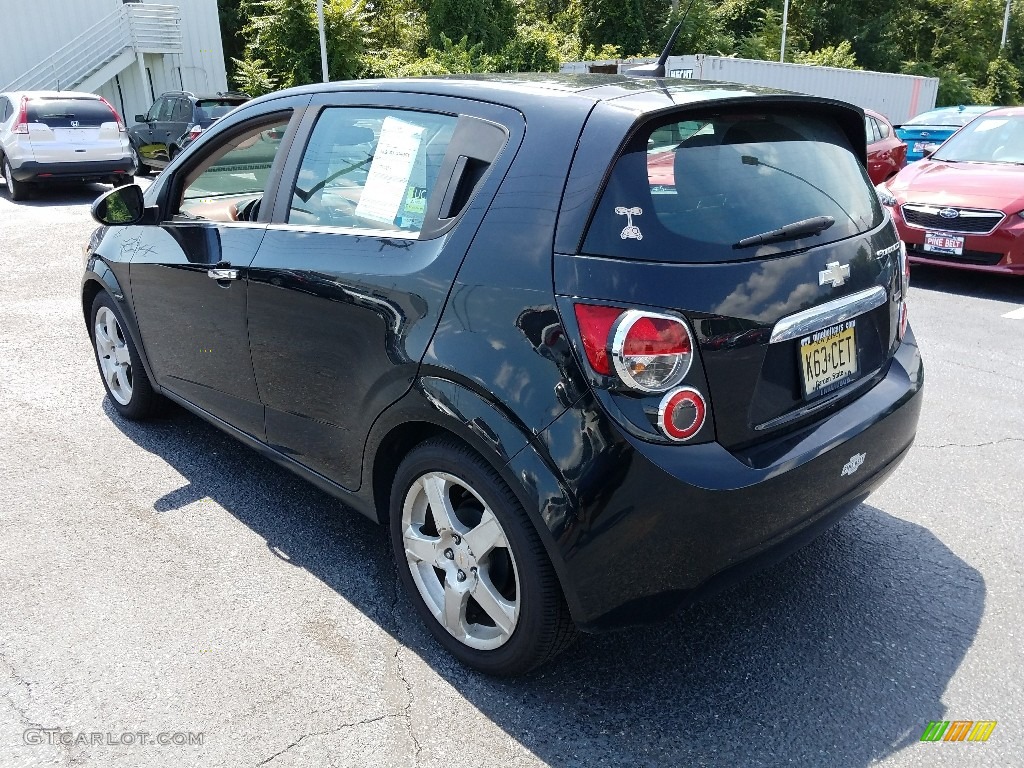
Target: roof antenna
column 658, row 68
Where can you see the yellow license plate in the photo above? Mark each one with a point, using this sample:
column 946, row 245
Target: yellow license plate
column 828, row 358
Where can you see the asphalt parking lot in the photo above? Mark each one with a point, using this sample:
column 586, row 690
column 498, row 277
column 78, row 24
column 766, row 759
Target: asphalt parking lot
column 162, row 580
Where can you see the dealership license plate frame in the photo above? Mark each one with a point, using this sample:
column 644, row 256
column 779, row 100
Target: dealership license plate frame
column 944, row 242
column 840, row 365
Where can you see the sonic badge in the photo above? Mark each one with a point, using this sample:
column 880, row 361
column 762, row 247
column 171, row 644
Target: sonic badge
column 853, row 464
column 630, row 230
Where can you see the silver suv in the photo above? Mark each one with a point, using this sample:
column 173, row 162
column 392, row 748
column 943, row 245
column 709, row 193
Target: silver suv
column 61, row 136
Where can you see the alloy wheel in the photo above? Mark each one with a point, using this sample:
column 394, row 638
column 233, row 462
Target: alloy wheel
column 113, row 355
column 460, row 560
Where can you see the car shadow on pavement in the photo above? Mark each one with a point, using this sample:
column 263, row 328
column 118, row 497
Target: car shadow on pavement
column 978, row 285
column 839, row 655
column 49, row 195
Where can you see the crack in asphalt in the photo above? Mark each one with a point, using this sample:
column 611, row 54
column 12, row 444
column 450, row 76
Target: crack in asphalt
column 417, row 747
column 326, row 732
column 22, row 713
column 976, row 445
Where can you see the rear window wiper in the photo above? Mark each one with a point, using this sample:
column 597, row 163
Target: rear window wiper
column 812, row 226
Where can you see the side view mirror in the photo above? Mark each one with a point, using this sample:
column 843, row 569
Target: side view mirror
column 120, row 207
column 141, row 119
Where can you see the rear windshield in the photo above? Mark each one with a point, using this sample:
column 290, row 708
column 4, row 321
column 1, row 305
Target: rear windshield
column 689, row 191
column 69, row 113
column 212, row 109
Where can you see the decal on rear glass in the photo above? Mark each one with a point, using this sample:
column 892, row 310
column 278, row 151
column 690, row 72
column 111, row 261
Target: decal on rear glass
column 630, row 230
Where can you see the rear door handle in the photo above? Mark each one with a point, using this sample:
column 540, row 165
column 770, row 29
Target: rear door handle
column 222, row 274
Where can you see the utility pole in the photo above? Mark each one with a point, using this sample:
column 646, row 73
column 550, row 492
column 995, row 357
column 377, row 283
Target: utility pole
column 1006, row 24
column 323, row 38
column 785, row 23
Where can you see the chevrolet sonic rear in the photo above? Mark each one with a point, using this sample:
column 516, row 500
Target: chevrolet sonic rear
column 587, row 346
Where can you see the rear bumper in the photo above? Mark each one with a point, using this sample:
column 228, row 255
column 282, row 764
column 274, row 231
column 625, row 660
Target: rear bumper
column 659, row 526
column 30, row 170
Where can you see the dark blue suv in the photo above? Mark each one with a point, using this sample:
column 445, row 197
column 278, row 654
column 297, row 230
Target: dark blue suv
column 587, row 345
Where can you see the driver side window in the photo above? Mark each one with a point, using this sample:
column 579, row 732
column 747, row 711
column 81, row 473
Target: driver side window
column 229, row 183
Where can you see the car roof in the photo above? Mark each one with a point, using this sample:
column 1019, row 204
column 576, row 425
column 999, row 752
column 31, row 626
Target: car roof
column 52, row 95
column 518, row 90
column 1005, row 112
column 971, row 109
column 226, row 96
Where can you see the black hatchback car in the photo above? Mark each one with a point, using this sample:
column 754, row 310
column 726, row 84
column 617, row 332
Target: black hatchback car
column 587, row 345
column 176, row 119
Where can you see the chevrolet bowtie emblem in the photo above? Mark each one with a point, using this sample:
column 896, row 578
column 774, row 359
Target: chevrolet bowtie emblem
column 834, row 273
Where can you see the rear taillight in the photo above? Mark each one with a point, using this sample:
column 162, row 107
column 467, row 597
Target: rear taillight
column 904, row 290
column 596, row 323
column 638, row 353
column 651, row 352
column 681, row 413
column 905, row 264
column 120, row 123
column 21, row 126
column 647, row 351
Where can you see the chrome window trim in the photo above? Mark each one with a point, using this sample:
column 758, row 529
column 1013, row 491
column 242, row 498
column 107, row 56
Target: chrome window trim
column 393, row 234
column 830, row 313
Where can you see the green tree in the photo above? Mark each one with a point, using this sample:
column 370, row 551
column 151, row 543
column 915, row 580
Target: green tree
column 229, row 12
column 252, row 77
column 534, row 48
column 489, row 23
column 621, row 23
column 830, row 56
column 1002, row 87
column 282, row 41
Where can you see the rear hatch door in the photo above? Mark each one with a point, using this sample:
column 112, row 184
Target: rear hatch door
column 74, row 130
column 788, row 326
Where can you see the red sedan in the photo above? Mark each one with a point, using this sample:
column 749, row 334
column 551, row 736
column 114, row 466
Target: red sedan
column 962, row 206
column 886, row 153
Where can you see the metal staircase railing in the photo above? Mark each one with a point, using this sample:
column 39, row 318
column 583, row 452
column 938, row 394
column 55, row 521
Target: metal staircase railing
column 135, row 27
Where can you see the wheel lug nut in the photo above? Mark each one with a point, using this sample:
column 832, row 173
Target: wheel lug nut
column 449, row 554
column 461, row 576
column 456, row 538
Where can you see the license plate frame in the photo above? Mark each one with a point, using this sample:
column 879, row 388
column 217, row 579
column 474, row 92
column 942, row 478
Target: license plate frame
column 828, row 359
column 944, row 242
column 919, row 147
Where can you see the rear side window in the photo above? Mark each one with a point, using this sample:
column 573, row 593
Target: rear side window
column 371, row 169
column 69, row 113
column 690, row 191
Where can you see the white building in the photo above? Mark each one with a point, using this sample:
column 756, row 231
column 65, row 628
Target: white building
column 128, row 51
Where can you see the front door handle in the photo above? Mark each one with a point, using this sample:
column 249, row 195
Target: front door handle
column 222, row 274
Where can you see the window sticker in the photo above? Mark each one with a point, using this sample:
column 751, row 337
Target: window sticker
column 393, row 163
column 630, row 230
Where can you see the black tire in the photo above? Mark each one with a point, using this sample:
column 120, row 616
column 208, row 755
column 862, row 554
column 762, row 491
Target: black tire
column 16, row 190
column 142, row 401
column 543, row 627
column 141, row 169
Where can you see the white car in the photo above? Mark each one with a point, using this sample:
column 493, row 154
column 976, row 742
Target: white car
column 61, row 136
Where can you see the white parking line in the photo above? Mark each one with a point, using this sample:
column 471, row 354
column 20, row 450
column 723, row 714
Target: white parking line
column 1017, row 314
